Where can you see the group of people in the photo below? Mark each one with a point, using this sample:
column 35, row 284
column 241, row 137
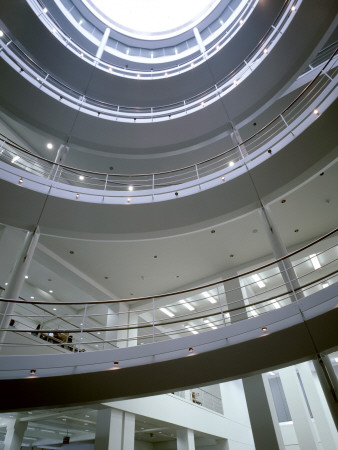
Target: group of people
column 55, row 337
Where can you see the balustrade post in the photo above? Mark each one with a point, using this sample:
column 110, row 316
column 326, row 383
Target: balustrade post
column 220, row 305
column 81, row 327
column 153, row 319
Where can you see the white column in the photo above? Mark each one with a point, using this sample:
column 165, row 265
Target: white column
column 14, row 435
column 115, row 430
column 322, row 418
column 234, row 298
column 298, row 409
column 185, row 439
column 103, row 43
column 17, row 279
column 199, row 40
column 265, row 427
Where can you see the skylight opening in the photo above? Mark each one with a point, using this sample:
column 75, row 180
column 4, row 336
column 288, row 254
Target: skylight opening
column 151, row 19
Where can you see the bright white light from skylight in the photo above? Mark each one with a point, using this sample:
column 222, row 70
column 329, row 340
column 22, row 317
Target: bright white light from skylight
column 151, row 19
column 167, row 312
column 258, row 280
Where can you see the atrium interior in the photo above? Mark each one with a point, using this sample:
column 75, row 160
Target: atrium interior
column 168, row 225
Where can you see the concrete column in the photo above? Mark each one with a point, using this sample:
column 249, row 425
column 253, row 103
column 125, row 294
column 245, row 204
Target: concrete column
column 61, row 154
column 279, row 250
column 185, row 439
column 234, row 298
column 17, row 279
column 103, row 43
column 115, row 430
column 264, row 423
column 14, row 435
column 303, row 426
column 320, row 411
column 328, row 381
column 199, row 40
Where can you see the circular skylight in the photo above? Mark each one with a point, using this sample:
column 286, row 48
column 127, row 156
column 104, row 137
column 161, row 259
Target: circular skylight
column 151, row 19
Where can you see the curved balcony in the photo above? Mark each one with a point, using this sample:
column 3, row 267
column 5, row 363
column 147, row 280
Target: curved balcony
column 44, row 81
column 164, row 60
column 287, row 301
column 22, row 167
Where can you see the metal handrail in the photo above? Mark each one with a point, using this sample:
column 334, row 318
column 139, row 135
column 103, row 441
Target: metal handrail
column 165, row 111
column 300, row 96
column 183, row 291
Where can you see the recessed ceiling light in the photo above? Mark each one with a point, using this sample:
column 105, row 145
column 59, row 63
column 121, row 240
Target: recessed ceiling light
column 6, row 284
column 77, row 195
column 26, row 276
column 1, row 33
column 325, row 285
column 110, row 69
column 138, row 75
column 81, row 177
column 241, row 21
column 209, row 297
column 54, row 309
column 130, row 188
column 20, row 181
column 33, row 372
column 49, row 146
column 167, row 312
column 264, row 328
column 315, row 111
column 15, row 158
column 258, row 280
column 187, row 305
column 166, row 74
column 128, row 200
column 231, row 164
column 32, row 297
column 293, row 8
column 315, row 261
column 265, row 50
column 50, row 291
column 45, row 10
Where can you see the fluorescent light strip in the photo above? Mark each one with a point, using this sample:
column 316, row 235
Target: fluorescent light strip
column 315, row 261
column 15, row 158
column 187, row 305
column 209, row 297
column 167, row 312
column 258, row 280
column 191, row 330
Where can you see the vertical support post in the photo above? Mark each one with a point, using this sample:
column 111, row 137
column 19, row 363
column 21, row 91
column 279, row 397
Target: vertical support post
column 220, row 304
column 17, row 278
column 103, row 43
column 199, row 40
column 153, row 319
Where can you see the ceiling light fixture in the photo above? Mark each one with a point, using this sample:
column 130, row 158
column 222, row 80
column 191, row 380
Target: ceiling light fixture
column 15, row 158
column 54, row 309
column 315, row 111
column 167, row 312
column 315, row 261
column 81, row 177
column 20, row 181
column 231, row 164
column 128, row 200
column 45, row 10
column 49, row 146
column 51, row 292
column 32, row 297
column 258, row 280
column 187, row 305
column 33, row 372
column 130, row 188
column 265, row 51
column 26, row 276
column 191, row 349
column 293, row 8
column 1, row 33
column 209, row 297
column 191, row 329
column 264, row 329
column 325, row 285
column 77, row 195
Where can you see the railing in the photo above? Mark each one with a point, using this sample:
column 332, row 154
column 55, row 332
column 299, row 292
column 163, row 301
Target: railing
column 232, row 17
column 40, row 326
column 201, row 397
column 28, row 68
column 39, row 173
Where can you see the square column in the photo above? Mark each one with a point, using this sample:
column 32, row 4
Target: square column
column 14, row 435
column 185, row 440
column 321, row 414
column 115, row 430
column 264, row 423
column 298, row 409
